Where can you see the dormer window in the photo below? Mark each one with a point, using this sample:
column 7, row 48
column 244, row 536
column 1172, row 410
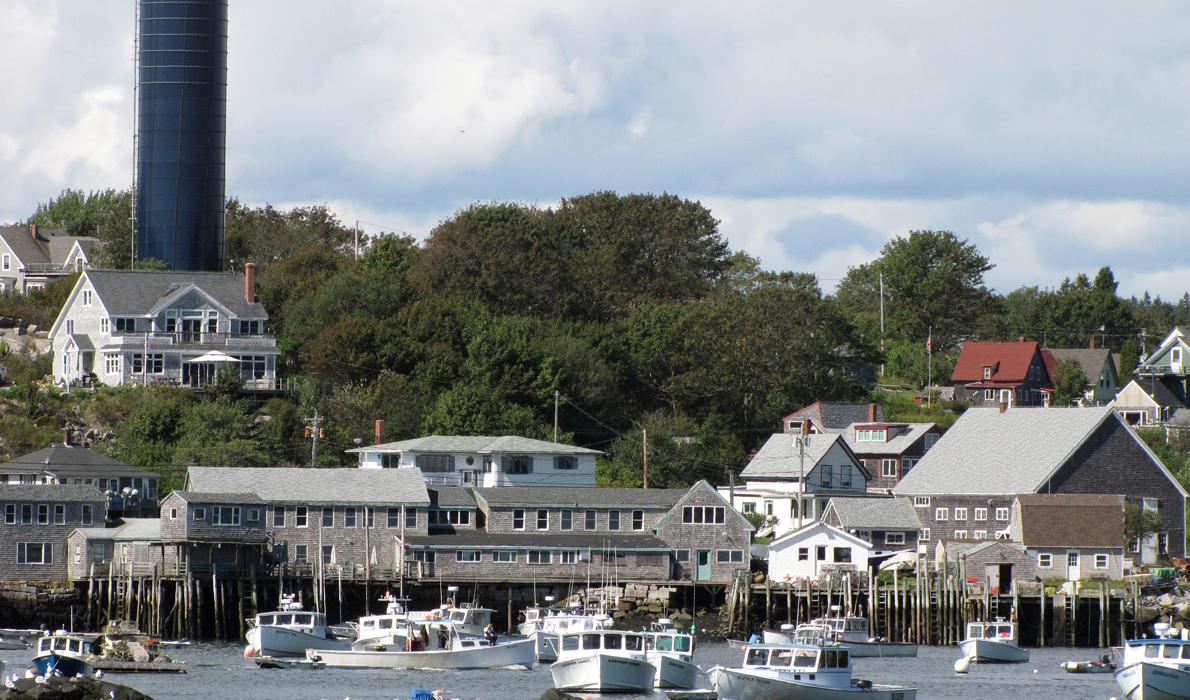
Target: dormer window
column 871, row 434
column 987, row 372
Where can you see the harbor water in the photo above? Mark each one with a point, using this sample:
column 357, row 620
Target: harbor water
column 219, row 671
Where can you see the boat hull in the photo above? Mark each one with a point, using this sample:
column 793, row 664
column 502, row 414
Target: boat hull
column 674, row 673
column 988, row 651
column 1148, row 681
column 546, row 645
column 603, row 673
column 739, row 684
column 858, row 649
column 281, row 642
column 518, row 653
column 69, row 666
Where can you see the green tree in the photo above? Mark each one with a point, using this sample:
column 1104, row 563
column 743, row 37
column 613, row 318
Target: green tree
column 265, row 235
column 1069, row 383
column 680, row 452
column 1129, row 359
column 218, row 433
column 932, row 279
column 480, row 410
column 1140, row 524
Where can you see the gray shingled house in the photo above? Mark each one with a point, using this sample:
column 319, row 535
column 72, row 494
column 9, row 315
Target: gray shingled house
column 1072, row 536
column 138, row 327
column 889, row 524
column 30, row 256
column 889, row 450
column 37, row 521
column 1097, row 365
column 213, row 532
column 832, row 416
column 964, row 487
column 131, row 491
column 354, row 520
column 134, row 547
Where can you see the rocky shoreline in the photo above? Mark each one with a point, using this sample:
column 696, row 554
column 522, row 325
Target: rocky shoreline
column 60, row 688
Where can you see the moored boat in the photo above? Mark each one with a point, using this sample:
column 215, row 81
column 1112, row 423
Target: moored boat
column 545, row 625
column 993, row 642
column 290, row 631
column 62, row 653
column 1155, row 669
column 851, row 630
column 672, row 654
column 802, row 671
column 603, row 661
column 459, row 653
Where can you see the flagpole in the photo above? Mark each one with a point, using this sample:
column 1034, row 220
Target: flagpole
column 929, row 365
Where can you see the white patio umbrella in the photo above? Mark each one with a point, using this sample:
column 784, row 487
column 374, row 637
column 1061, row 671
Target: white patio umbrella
column 214, row 356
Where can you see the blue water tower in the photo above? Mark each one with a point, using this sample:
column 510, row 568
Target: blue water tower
column 181, row 132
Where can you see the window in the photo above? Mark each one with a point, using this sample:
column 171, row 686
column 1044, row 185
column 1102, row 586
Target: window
column 1045, row 560
column 803, row 553
column 253, row 515
column 35, row 553
column 925, row 534
column 410, row 517
column 447, row 518
column 328, row 554
column 250, row 327
column 703, row 515
column 10, row 514
column 425, row 557
column 251, row 366
column 930, row 439
column 537, row 556
column 845, row 475
column 730, row 556
column 543, row 519
column 987, row 372
column 567, row 519
column 43, row 514
column 349, row 516
column 517, row 464
column 749, row 506
column 569, row 556
column 278, row 516
column 941, row 514
column 590, row 520
column 436, row 463
column 981, row 514
column 467, row 555
column 894, row 538
column 26, row 514
column 566, row 462
column 301, row 553
column 1002, row 515
column 328, row 517
column 842, row 555
column 820, row 552
column 960, row 534
column 960, row 513
column 613, row 520
column 921, row 501
column 638, row 520
column 59, row 514
column 87, row 297
column 826, row 474
column 301, row 515
column 980, row 534
column 225, row 515
column 518, row 519
column 111, row 362
column 1175, row 355
column 1134, row 545
column 870, row 435
column 1163, row 544
column 888, row 468
column 394, row 517
column 6, row 262
column 989, row 394
column 156, row 363
column 505, row 557
column 682, row 556
column 124, row 325
column 1100, row 561
column 198, row 514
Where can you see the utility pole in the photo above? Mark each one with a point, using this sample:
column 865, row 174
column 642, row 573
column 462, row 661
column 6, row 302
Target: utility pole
column 881, row 322
column 314, row 432
column 802, row 441
column 556, row 397
column 357, row 239
column 644, row 444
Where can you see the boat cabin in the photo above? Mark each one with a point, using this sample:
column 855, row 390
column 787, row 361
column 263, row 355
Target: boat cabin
column 292, row 620
column 604, row 641
column 846, row 629
column 1166, row 648
column 62, row 645
column 829, row 666
column 995, row 631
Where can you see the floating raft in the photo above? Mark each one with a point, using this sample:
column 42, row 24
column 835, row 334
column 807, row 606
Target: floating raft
column 112, row 666
column 274, row 662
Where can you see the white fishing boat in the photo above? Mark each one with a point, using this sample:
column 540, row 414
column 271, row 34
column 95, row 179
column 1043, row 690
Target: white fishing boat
column 802, row 671
column 425, row 650
column 390, row 626
column 993, row 642
column 603, row 661
column 546, row 624
column 851, row 630
column 1157, row 668
column 290, row 631
column 672, row 653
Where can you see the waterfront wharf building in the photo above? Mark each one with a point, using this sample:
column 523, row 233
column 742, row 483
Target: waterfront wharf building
column 130, row 491
column 37, row 521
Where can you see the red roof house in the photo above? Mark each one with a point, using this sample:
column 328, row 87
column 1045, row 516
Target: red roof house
column 1013, row 374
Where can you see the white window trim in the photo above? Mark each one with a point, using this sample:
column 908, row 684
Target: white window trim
column 960, row 514
column 894, row 538
column 1045, row 560
column 925, row 534
column 960, row 534
column 942, row 514
column 1002, row 515
column 921, row 501
column 1106, row 561
column 981, row 514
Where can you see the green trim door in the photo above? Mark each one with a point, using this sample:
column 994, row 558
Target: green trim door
column 703, row 570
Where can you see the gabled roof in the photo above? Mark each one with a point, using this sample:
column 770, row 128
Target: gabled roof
column 1071, row 520
column 50, row 245
column 135, row 292
column 50, row 492
column 132, row 529
column 811, row 528
column 303, row 485
column 1090, row 360
column 779, row 458
column 69, row 460
column 581, row 497
column 478, row 444
column 912, row 433
column 1009, row 361
column 207, row 497
column 832, row 416
column 703, row 485
column 1157, row 390
column 874, row 513
column 994, row 453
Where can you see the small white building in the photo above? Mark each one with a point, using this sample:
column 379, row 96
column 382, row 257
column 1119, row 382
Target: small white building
column 815, row 550
column 485, row 461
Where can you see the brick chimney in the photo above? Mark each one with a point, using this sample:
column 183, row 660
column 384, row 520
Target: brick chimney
column 1092, row 345
column 871, row 413
column 378, row 431
column 1003, row 406
column 33, row 230
column 250, row 283
column 805, row 426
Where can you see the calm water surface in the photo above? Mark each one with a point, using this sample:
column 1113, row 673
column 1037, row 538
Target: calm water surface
column 219, row 671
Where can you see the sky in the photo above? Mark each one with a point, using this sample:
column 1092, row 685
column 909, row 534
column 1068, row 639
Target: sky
column 1051, row 135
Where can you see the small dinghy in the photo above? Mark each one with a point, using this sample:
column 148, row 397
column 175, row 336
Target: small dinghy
column 1103, row 665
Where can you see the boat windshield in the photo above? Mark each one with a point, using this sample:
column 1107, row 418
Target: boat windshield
column 1151, row 651
column 570, row 643
column 1001, row 631
column 59, row 643
column 76, row 646
column 664, row 643
column 805, row 658
column 681, row 643
column 385, row 623
column 283, row 620
column 303, row 619
column 45, row 644
column 1170, row 651
column 633, row 642
column 458, row 616
column 781, row 657
column 611, row 641
column 590, row 641
column 756, row 657
column 1186, row 651
column 857, row 625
